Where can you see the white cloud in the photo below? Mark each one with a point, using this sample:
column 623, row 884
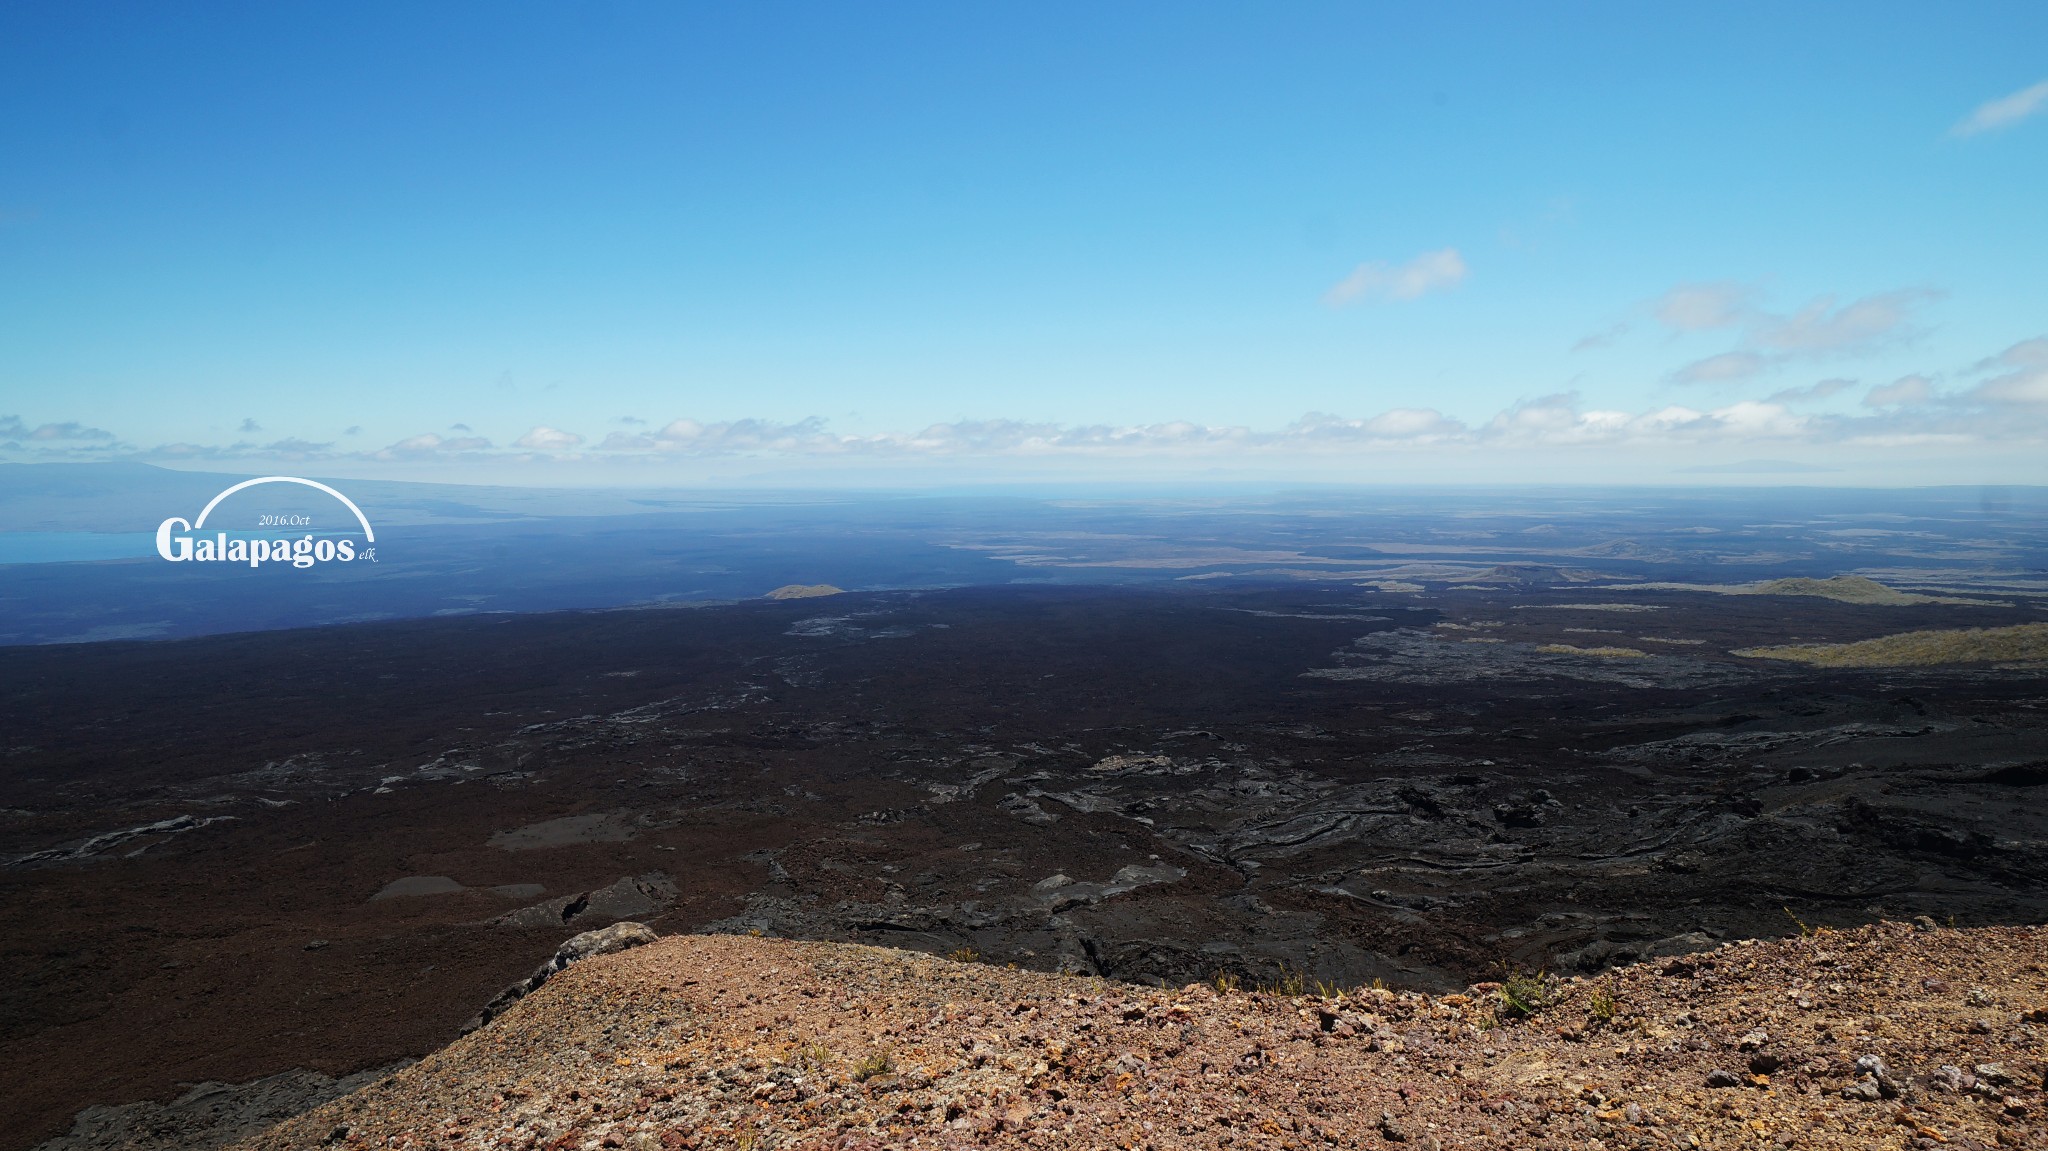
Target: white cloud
column 1698, row 307
column 2023, row 377
column 1818, row 391
column 69, row 430
column 1914, row 389
column 1409, row 425
column 294, row 448
column 1601, row 339
column 2003, row 112
column 626, row 442
column 1721, row 369
column 2008, row 406
column 430, row 446
column 2025, row 354
column 1819, row 330
column 2018, row 388
column 546, row 439
column 1426, row 273
column 742, row 436
column 1557, row 421
column 289, row 448
column 1857, row 326
column 1747, row 419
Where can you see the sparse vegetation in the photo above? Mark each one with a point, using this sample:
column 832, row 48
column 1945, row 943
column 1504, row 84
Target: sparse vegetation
column 964, row 955
column 1602, row 652
column 1843, row 588
column 872, row 1065
column 2022, row 642
column 1601, row 1004
column 1523, row 994
column 1226, row 982
column 1804, row 931
column 1290, row 983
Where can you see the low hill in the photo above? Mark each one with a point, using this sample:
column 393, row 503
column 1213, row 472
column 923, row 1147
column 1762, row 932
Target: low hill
column 2022, row 643
column 804, row 591
column 1842, row 589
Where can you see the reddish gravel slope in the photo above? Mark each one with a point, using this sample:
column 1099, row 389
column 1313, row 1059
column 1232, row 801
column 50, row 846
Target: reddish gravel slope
column 726, row 1042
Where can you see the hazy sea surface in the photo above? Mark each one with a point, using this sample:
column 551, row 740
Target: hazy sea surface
column 78, row 560
column 73, row 547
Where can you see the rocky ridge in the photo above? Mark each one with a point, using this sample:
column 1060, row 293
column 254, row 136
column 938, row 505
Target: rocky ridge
column 1886, row 1036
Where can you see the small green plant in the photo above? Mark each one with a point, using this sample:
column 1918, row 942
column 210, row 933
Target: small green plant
column 1805, row 932
column 1524, row 994
column 1226, row 982
column 964, row 955
column 817, row 1055
column 1290, row 983
column 1328, row 990
column 1601, row 1005
column 872, row 1065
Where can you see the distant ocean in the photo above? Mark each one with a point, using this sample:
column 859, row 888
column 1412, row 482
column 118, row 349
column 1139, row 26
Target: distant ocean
column 70, row 547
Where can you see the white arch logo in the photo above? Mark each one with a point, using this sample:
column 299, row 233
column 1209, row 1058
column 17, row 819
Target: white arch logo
column 179, row 542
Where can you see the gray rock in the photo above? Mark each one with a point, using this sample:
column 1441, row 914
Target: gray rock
column 1994, row 1073
column 604, row 941
column 628, row 897
column 617, row 937
column 1721, row 1077
column 208, row 1115
column 1949, row 1077
column 1026, row 809
column 415, row 885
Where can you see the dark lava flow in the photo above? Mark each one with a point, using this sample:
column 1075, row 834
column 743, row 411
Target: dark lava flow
column 235, row 855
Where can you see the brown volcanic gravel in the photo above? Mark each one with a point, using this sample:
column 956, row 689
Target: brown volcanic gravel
column 724, row 1042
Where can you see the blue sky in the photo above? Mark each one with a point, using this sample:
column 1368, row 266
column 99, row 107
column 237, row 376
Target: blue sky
column 676, row 244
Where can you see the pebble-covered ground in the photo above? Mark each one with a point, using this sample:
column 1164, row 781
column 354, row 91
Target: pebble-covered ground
column 1887, row 1036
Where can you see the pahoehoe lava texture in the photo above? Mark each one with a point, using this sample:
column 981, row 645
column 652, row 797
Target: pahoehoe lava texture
column 1153, row 786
